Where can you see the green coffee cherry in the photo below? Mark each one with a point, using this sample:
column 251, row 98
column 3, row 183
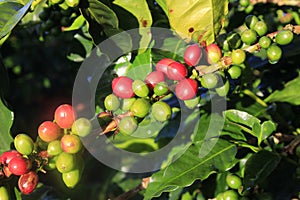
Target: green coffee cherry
column 274, row 53
column 250, row 21
column 161, row 111
column 261, row 28
column 265, row 42
column 127, row 103
column 161, row 89
column 233, row 181
column 238, row 56
column 54, row 148
column 140, row 108
column 192, row 103
column 140, row 88
column 209, row 80
column 224, row 89
column 284, row 37
column 249, row 36
column 111, row 102
column 234, row 71
column 24, row 144
column 127, row 125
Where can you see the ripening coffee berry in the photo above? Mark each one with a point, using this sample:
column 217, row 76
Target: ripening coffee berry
column 163, row 64
column 140, row 88
column 161, row 89
column 6, row 157
column 238, row 56
column 140, row 108
column 192, row 55
column 49, row 131
column 274, row 53
column 122, row 87
column 28, row 182
column 64, row 116
column 81, row 127
column 111, row 102
column 234, row 71
column 154, row 78
column 186, row 89
column 24, row 144
column 209, row 81
column 176, row 71
column 4, row 195
column 65, row 162
column 261, row 28
column 214, row 53
column 71, row 143
column 233, row 181
column 265, row 42
column 284, row 37
column 249, row 36
column 127, row 125
column 54, row 148
column 161, row 111
column 250, row 21
column 19, row 166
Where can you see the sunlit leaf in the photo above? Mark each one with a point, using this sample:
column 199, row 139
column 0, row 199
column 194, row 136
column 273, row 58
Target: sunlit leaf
column 6, row 121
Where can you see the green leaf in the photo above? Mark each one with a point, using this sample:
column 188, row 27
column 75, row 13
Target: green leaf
column 11, row 12
column 241, row 117
column 141, row 11
column 258, row 167
column 190, row 166
column 290, row 93
column 204, row 18
column 266, row 130
column 6, row 119
column 99, row 17
column 141, row 66
column 77, row 23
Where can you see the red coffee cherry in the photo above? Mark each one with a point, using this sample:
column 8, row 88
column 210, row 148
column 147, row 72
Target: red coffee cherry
column 186, row 89
column 163, row 64
column 64, row 116
column 28, row 182
column 18, row 166
column 154, row 78
column 176, row 71
column 49, row 131
column 192, row 55
column 122, row 87
column 214, row 53
column 6, row 157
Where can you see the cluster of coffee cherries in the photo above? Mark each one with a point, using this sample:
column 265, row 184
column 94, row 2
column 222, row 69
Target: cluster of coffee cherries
column 133, row 100
column 57, row 15
column 58, row 146
column 234, row 184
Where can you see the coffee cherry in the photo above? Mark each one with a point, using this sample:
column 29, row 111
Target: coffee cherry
column 140, row 108
column 249, row 36
column 186, row 89
column 49, row 131
column 127, row 125
column 284, row 37
column 261, row 28
column 163, row 64
column 238, row 56
column 72, row 3
column 234, row 71
column 81, row 127
column 154, row 78
column 233, row 181
column 209, row 80
column 161, row 111
column 140, row 88
column 223, row 90
column 274, row 53
column 71, row 144
column 28, row 182
column 250, row 21
column 265, row 42
column 214, row 53
column 230, row 195
column 192, row 55
column 220, row 196
column 65, row 162
column 122, row 87
column 127, row 103
column 234, row 40
column 54, row 148
column 51, row 164
column 8, row 155
column 111, row 102
column 176, row 71
column 4, row 195
column 24, row 144
column 18, row 166
column 72, row 177
column 161, row 89
column 192, row 103
column 64, row 116
column 244, row 3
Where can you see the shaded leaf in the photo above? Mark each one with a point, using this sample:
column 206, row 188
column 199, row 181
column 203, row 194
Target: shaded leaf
column 205, row 17
column 258, row 167
column 6, row 121
column 241, row 117
column 290, row 93
column 11, row 12
column 141, row 66
column 190, row 166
